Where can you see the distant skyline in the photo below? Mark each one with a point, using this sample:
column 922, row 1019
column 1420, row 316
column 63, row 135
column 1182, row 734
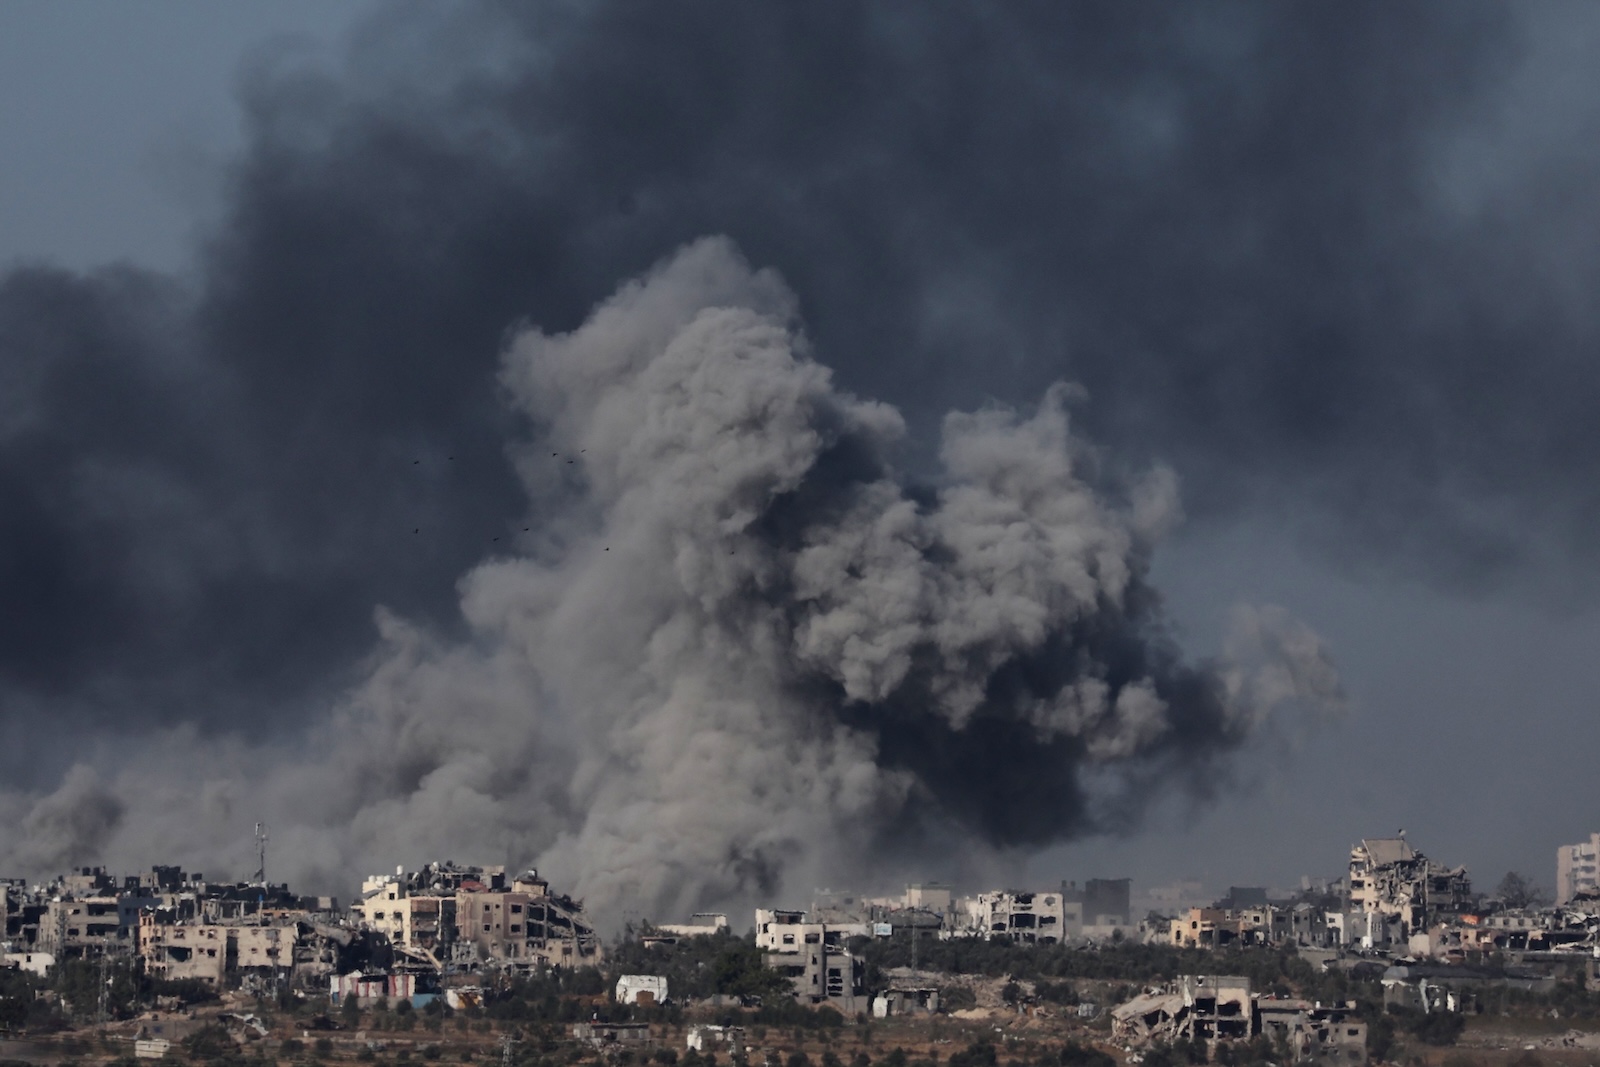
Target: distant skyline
column 1337, row 268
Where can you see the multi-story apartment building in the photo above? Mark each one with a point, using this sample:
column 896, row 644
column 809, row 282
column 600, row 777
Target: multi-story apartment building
column 1577, row 870
column 477, row 913
column 815, row 957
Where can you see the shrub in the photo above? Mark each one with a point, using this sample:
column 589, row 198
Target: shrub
column 977, row 1054
column 1438, row 1028
column 1075, row 1055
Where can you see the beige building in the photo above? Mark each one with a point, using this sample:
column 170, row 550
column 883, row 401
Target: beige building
column 476, row 913
column 815, row 957
column 211, row 952
column 422, row 922
column 1046, row 918
column 1396, row 891
column 1204, row 928
column 181, row 950
column 71, row 926
column 1577, row 870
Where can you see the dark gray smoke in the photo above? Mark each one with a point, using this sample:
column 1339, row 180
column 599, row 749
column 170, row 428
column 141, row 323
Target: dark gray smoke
column 1243, row 227
column 740, row 651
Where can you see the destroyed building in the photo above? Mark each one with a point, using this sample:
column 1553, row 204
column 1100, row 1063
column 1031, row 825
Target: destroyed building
column 1098, row 908
column 1195, row 1006
column 815, row 957
column 1396, row 891
column 1067, row 912
column 924, row 907
column 905, row 1000
column 1217, row 1008
column 709, row 1038
column 89, row 912
column 1027, row 917
column 1314, row 1033
column 175, row 925
column 449, row 914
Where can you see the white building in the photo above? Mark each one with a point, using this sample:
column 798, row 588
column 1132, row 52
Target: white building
column 38, row 963
column 641, row 989
column 1576, row 869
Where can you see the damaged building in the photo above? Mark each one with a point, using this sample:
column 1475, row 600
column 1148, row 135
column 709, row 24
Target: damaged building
column 1097, row 909
column 1314, row 1033
column 1218, row 1008
column 1220, row 927
column 88, row 912
column 1045, row 918
column 468, row 915
column 815, row 957
column 1206, row 1006
column 298, row 949
column 1396, row 891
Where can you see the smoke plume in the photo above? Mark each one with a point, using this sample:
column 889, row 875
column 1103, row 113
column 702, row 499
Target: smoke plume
column 743, row 653
column 1326, row 266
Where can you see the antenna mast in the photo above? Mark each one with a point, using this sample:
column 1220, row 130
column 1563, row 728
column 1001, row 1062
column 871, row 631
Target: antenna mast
column 261, row 852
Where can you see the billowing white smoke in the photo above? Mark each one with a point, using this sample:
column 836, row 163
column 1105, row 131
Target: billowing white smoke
column 694, row 681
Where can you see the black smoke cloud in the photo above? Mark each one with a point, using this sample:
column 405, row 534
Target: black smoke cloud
column 1224, row 222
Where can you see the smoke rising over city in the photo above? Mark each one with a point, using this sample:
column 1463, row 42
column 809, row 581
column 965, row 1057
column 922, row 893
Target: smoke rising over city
column 742, row 648
column 1278, row 259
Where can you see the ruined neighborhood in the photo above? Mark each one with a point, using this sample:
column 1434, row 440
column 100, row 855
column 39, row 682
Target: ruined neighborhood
column 1389, row 962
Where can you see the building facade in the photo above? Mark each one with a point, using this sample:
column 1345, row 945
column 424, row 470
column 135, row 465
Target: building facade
column 1576, row 869
column 815, row 957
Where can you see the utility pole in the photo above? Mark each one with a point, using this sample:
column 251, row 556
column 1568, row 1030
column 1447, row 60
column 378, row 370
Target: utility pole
column 105, row 989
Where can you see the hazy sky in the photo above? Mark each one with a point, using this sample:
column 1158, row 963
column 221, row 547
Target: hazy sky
column 1333, row 264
